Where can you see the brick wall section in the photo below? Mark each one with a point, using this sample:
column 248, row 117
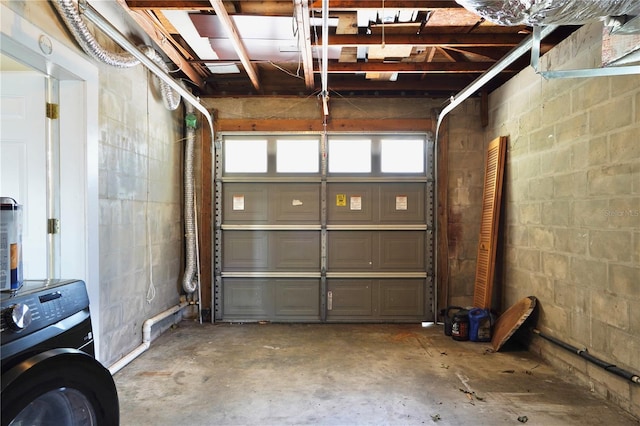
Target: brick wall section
column 572, row 214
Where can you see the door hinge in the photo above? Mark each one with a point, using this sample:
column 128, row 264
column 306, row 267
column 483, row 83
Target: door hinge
column 53, row 111
column 53, row 226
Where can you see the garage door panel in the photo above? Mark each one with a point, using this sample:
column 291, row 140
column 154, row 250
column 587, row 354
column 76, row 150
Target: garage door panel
column 295, row 250
column 325, row 244
column 247, row 298
column 350, row 203
column 401, row 251
column 402, row 203
column 245, row 203
column 401, row 298
column 350, row 298
column 297, row 299
column 296, row 203
column 245, row 250
column 350, row 250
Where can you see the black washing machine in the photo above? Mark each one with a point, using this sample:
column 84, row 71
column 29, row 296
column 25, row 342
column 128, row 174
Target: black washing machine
column 49, row 373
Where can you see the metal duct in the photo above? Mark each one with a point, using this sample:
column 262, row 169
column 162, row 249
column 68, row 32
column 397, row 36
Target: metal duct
column 74, row 22
column 119, row 38
column 548, row 12
column 189, row 279
column 170, row 97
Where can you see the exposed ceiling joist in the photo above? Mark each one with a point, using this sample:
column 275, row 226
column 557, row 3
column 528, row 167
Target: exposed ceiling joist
column 377, row 4
column 274, row 7
column 234, row 37
column 410, row 67
column 455, row 39
column 335, row 4
column 304, row 40
column 168, row 48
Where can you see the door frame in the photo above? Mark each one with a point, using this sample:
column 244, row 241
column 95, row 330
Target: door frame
column 79, row 136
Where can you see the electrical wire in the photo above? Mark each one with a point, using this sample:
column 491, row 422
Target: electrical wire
column 151, row 290
column 296, row 75
column 295, row 28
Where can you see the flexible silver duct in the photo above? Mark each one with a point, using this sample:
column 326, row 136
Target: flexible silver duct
column 190, row 279
column 170, row 97
column 75, row 23
column 548, row 12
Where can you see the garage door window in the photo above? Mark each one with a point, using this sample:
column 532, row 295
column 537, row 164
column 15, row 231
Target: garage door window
column 402, row 155
column 245, row 156
column 297, row 156
column 349, row 156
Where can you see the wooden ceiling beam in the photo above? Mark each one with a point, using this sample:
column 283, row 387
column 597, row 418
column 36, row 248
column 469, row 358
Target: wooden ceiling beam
column 335, row 4
column 236, row 41
column 428, row 84
column 304, row 40
column 169, row 49
column 410, row 67
column 490, row 53
column 169, row 4
column 299, row 125
column 377, row 4
column 459, row 40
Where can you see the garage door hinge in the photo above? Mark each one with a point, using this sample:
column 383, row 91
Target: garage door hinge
column 53, row 111
column 53, row 226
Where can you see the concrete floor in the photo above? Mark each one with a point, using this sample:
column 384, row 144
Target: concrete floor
column 345, row 374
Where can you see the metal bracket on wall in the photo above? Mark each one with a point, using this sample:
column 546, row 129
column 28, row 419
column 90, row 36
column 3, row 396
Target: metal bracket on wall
column 576, row 73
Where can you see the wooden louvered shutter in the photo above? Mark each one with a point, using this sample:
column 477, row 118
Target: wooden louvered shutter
column 491, row 196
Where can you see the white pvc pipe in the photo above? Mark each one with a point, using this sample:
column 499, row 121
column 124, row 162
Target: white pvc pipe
column 146, row 338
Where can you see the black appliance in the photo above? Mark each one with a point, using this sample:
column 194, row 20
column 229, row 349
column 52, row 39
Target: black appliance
column 49, row 372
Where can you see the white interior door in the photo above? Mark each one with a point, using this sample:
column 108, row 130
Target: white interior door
column 23, row 168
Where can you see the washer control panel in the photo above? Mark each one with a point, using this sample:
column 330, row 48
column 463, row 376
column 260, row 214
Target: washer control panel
column 39, row 304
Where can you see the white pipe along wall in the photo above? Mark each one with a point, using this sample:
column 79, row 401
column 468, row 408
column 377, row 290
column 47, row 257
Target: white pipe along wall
column 146, row 337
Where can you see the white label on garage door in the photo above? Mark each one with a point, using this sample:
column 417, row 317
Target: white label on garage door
column 401, row 202
column 238, row 202
column 355, row 202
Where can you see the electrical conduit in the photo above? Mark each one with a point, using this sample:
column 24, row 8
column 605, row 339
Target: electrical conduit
column 586, row 355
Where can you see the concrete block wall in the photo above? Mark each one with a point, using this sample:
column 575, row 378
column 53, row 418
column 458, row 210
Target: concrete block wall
column 466, row 157
column 140, row 206
column 572, row 216
column 140, row 218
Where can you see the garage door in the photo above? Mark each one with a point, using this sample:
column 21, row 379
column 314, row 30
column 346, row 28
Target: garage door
column 324, row 228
